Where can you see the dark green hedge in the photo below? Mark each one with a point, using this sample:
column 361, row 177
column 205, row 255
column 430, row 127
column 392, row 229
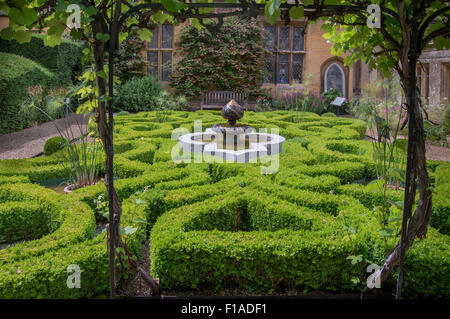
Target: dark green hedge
column 54, row 144
column 137, row 94
column 440, row 217
column 16, row 75
column 63, row 60
column 20, row 220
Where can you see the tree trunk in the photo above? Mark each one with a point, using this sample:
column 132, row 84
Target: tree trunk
column 106, row 137
column 105, row 122
column 415, row 226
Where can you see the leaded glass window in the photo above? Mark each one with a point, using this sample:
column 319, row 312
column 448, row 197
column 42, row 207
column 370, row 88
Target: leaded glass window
column 297, row 67
column 166, row 65
column 152, row 63
column 270, row 37
column 154, row 42
column 335, row 78
column 167, row 36
column 298, row 39
column 283, row 63
column 283, row 69
column 159, row 52
column 283, row 38
column 269, row 68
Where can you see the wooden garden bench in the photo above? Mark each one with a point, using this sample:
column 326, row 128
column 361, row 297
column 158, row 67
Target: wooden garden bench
column 217, row 99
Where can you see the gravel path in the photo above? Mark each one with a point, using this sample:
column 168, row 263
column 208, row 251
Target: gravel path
column 434, row 152
column 438, row 153
column 30, row 142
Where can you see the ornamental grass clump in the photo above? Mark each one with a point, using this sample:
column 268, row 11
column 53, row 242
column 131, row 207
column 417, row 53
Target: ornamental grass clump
column 81, row 157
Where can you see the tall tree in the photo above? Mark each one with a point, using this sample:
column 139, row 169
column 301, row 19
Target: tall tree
column 407, row 28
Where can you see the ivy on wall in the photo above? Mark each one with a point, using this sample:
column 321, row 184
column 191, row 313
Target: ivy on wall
column 230, row 59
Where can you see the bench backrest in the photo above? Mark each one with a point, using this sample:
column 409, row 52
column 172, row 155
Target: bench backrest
column 223, row 97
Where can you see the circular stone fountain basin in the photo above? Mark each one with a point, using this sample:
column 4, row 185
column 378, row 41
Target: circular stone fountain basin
column 240, row 148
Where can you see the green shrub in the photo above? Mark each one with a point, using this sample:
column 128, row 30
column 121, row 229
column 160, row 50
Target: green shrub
column 63, row 60
column 329, row 114
column 153, row 198
column 54, row 144
column 436, row 132
column 440, row 217
column 228, row 60
column 433, row 255
column 330, row 96
column 17, row 74
column 45, row 276
column 442, row 174
column 35, row 169
column 369, row 198
column 321, row 184
column 14, row 179
column 38, row 268
column 208, row 235
column 123, row 113
column 137, row 94
column 130, row 61
column 302, row 140
column 165, row 101
column 20, row 220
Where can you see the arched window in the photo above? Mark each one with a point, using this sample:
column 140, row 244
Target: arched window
column 335, row 78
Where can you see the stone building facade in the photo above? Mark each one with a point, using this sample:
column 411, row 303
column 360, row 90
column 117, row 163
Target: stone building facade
column 303, row 59
column 300, row 55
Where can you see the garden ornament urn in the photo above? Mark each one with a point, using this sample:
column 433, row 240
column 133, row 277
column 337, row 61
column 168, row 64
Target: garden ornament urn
column 232, row 112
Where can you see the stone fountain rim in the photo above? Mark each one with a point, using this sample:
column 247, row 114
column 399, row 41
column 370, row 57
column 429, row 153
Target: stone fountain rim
column 254, row 150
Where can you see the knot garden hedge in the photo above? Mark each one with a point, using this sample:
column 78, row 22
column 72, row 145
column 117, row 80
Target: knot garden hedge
column 217, row 226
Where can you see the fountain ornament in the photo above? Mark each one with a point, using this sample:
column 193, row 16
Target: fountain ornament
column 232, row 141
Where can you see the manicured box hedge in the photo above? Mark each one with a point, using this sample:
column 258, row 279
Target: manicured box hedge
column 63, row 60
column 441, row 200
column 16, row 75
column 278, row 244
column 221, row 226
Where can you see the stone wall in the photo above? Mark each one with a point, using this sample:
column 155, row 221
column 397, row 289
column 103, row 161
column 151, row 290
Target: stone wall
column 438, row 62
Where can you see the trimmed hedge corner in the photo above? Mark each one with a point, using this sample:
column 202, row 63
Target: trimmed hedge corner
column 16, row 75
column 63, row 60
column 54, row 144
